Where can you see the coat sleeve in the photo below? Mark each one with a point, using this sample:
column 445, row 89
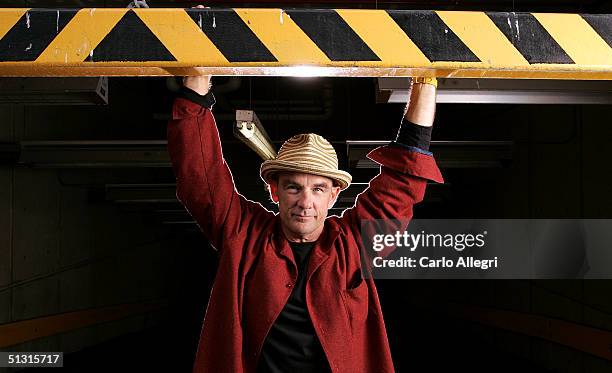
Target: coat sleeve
column 390, row 196
column 204, row 184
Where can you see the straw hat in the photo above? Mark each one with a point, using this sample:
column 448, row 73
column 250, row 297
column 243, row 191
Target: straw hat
column 308, row 153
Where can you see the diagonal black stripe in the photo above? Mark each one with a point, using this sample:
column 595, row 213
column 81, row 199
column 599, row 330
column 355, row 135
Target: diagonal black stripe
column 436, row 40
column 231, row 35
column 130, row 40
column 29, row 37
column 602, row 24
column 332, row 35
column 530, row 38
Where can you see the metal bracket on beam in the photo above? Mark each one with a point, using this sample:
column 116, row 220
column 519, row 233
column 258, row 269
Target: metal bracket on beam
column 304, row 42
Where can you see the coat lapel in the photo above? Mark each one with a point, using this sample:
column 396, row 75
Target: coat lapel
column 322, row 248
column 281, row 245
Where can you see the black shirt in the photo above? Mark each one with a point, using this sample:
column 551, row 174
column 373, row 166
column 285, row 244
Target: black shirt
column 292, row 345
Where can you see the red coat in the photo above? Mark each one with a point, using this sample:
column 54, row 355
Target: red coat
column 256, row 266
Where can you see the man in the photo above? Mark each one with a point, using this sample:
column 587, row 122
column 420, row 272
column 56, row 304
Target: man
column 289, row 295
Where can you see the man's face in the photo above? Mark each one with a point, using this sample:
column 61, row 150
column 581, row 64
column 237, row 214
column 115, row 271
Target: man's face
column 303, row 200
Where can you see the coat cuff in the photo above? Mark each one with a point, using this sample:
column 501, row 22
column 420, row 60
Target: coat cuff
column 207, row 100
column 413, row 135
column 407, row 161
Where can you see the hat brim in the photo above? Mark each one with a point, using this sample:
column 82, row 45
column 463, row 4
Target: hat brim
column 270, row 167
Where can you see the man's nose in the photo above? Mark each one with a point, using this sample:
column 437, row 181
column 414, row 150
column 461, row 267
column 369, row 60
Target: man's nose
column 305, row 200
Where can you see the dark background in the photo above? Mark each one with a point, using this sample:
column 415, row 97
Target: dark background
column 76, row 238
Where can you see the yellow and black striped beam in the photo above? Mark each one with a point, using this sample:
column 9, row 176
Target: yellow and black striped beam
column 138, row 42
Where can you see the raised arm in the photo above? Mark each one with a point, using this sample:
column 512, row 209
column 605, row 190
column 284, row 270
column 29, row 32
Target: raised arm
column 406, row 165
column 204, row 183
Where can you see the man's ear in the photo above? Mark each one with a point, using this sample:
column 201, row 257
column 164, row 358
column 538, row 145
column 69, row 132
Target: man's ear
column 274, row 190
column 335, row 191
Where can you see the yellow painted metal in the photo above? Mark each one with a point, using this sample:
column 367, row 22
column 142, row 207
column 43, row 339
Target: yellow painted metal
column 140, row 69
column 9, row 18
column 483, row 38
column 181, row 36
column 384, row 37
column 79, row 38
column 285, row 40
column 196, row 53
column 577, row 38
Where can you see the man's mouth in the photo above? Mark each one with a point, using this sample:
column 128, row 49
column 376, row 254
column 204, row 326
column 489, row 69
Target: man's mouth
column 302, row 217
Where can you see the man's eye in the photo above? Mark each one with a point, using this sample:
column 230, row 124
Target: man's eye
column 318, row 189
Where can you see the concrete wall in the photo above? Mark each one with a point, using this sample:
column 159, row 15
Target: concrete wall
column 62, row 251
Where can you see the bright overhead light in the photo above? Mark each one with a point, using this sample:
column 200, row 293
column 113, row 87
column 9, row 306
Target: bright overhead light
column 306, row 71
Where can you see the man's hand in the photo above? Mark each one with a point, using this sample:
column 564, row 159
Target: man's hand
column 200, row 84
column 421, row 106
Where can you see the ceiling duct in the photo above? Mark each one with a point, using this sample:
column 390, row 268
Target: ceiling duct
column 503, row 91
column 141, row 193
column 54, row 91
column 88, row 154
